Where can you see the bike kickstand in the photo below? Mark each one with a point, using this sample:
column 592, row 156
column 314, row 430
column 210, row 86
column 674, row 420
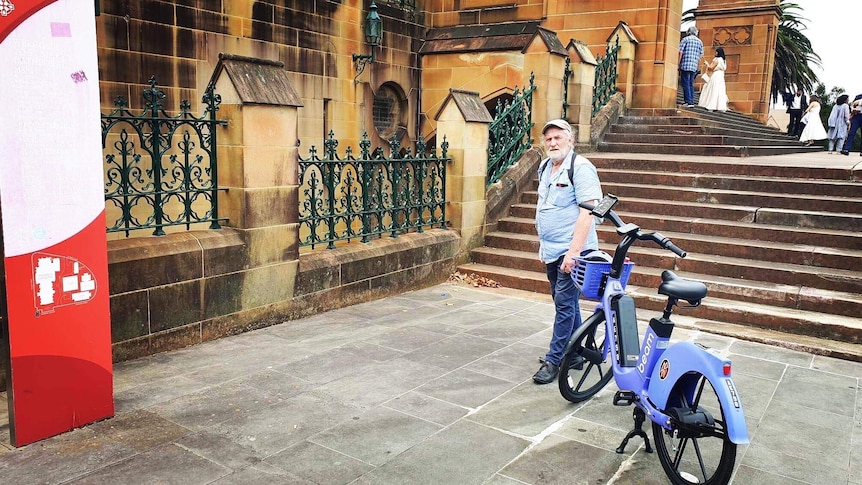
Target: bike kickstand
column 639, row 418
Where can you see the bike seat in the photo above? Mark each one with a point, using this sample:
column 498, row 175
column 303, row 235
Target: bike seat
column 673, row 285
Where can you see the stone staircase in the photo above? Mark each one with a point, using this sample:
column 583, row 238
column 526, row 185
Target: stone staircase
column 696, row 131
column 778, row 245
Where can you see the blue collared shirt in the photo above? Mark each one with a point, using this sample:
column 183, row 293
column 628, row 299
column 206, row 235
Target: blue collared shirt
column 692, row 50
column 557, row 209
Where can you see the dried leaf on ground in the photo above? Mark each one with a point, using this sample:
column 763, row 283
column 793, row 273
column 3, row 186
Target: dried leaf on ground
column 473, row 279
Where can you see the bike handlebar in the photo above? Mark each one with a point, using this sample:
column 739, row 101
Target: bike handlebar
column 604, row 210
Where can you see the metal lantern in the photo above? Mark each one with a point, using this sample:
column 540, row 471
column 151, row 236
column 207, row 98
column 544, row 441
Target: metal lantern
column 373, row 27
column 373, row 36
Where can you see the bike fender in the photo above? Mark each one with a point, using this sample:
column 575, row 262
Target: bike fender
column 683, row 358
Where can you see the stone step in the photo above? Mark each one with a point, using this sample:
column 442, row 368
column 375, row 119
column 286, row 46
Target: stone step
column 768, row 185
column 690, row 320
column 690, row 129
column 812, row 323
column 825, row 218
column 688, row 123
column 825, row 204
column 700, row 119
column 808, row 255
column 789, row 320
column 699, row 114
column 727, row 117
column 765, row 293
column 713, row 166
column 754, row 231
column 711, row 150
column 692, row 139
column 729, row 268
column 670, row 120
column 801, row 343
column 727, row 229
column 518, row 279
column 697, row 129
column 814, row 256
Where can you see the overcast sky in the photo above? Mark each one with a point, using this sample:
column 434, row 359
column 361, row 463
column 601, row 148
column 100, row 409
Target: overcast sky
column 833, row 29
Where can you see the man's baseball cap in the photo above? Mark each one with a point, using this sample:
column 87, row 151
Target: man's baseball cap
column 558, row 123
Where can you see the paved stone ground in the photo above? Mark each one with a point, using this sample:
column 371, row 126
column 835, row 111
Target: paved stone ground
column 431, row 386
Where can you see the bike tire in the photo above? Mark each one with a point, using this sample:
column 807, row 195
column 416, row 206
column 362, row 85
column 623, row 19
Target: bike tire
column 578, row 385
column 699, row 453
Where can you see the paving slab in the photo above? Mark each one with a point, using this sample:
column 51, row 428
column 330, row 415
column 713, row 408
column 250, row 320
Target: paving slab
column 440, row 393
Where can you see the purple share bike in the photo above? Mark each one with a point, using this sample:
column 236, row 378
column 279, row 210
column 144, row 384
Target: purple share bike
column 683, row 388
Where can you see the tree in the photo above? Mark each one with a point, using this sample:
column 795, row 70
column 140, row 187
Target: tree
column 794, row 55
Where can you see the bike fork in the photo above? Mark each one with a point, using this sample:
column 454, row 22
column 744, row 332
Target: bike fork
column 639, row 417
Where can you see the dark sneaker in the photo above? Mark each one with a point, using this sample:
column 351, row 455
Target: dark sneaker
column 547, row 373
column 845, row 152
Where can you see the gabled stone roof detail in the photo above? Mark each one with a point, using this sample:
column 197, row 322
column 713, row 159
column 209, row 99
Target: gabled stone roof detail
column 626, row 30
column 471, row 106
column 583, row 52
column 257, row 81
column 489, row 37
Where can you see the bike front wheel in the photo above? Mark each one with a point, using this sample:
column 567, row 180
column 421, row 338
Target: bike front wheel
column 583, row 371
column 697, row 449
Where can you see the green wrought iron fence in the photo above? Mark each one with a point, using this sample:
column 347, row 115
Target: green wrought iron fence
column 606, row 77
column 343, row 199
column 567, row 73
column 509, row 133
column 160, row 170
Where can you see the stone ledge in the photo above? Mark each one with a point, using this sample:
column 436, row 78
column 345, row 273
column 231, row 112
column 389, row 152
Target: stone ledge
column 135, row 264
column 325, row 280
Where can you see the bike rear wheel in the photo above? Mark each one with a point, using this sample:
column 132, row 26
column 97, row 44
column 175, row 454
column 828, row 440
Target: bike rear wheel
column 697, row 450
column 582, row 379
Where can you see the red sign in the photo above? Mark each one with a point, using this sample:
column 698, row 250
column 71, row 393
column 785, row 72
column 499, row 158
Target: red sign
column 55, row 250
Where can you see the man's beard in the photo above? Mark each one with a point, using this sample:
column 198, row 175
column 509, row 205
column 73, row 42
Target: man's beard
column 557, row 155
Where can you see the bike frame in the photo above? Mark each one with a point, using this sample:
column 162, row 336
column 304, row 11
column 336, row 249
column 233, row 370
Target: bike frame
column 653, row 384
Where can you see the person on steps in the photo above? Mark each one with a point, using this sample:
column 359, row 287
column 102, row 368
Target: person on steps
column 565, row 231
column 813, row 126
column 839, row 121
column 690, row 52
column 713, row 96
column 796, row 105
column 855, row 124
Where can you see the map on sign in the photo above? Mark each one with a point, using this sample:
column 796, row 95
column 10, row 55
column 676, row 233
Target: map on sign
column 60, row 281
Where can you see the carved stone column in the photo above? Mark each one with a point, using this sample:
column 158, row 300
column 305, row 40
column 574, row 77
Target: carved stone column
column 747, row 30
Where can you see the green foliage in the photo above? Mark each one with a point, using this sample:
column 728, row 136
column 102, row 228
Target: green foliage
column 794, row 55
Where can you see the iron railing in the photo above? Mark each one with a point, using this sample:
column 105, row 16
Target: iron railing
column 567, row 73
column 343, row 199
column 160, row 170
column 606, row 77
column 509, row 133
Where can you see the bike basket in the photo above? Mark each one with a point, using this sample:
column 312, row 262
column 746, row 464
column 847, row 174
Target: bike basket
column 588, row 276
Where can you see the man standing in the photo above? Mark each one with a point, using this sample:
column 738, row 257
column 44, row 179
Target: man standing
column 565, row 232
column 690, row 52
column 855, row 124
column 796, row 105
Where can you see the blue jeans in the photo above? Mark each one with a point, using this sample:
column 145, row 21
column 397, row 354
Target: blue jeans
column 688, row 86
column 568, row 310
column 855, row 124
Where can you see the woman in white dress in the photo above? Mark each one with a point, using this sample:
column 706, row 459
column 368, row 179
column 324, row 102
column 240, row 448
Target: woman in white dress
column 713, row 96
column 813, row 126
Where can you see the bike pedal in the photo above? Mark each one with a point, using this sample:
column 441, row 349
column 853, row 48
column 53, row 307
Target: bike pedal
column 624, row 398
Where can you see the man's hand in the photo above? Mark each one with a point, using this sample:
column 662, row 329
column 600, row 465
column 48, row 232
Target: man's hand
column 569, row 261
